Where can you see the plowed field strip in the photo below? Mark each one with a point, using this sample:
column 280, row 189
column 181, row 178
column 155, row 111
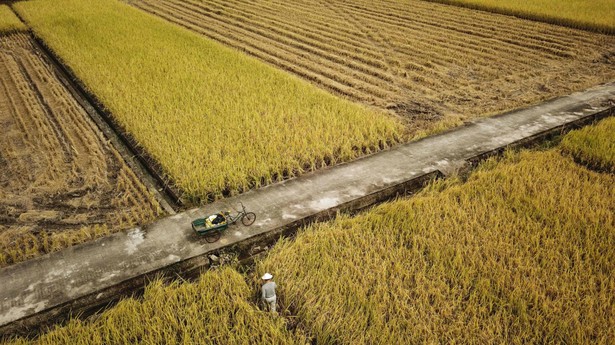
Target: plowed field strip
column 478, row 38
column 288, row 29
column 316, row 26
column 268, row 55
column 424, row 40
column 452, row 22
column 322, row 66
column 26, row 105
column 62, row 178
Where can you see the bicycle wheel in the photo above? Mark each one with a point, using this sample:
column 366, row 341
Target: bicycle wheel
column 213, row 236
column 248, row 218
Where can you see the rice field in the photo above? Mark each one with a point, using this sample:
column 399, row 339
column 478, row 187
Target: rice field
column 433, row 65
column 8, row 21
column 593, row 145
column 520, row 253
column 212, row 310
column 597, row 15
column 217, row 121
column 61, row 182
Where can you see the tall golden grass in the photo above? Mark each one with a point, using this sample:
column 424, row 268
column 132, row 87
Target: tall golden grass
column 213, row 310
column 595, row 15
column 521, row 253
column 8, row 21
column 216, row 120
column 594, row 145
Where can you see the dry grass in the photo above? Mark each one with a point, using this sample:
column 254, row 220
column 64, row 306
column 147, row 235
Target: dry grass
column 593, row 145
column 435, row 66
column 213, row 310
column 523, row 252
column 9, row 21
column 596, row 15
column 216, row 120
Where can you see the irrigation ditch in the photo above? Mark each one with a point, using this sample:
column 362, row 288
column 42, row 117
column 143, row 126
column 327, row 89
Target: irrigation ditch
column 146, row 168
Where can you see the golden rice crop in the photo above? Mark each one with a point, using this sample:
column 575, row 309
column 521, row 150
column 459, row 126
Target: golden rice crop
column 215, row 119
column 521, row 253
column 9, row 21
column 213, row 310
column 594, row 145
column 598, row 15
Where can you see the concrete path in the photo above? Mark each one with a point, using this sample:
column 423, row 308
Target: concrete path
column 45, row 287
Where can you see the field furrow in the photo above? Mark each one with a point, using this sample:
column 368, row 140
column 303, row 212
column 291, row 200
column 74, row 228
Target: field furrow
column 452, row 23
column 488, row 22
column 274, row 29
column 475, row 41
column 456, row 62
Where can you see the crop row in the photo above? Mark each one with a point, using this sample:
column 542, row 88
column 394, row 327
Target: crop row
column 396, row 54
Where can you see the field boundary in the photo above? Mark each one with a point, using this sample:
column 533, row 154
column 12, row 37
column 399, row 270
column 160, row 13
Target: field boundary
column 42, row 291
column 146, row 167
column 94, row 112
column 569, row 23
column 146, row 162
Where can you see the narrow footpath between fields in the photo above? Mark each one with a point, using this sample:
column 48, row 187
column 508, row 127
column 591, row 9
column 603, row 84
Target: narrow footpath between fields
column 46, row 288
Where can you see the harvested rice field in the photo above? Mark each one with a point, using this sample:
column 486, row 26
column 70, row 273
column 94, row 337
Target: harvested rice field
column 521, row 250
column 427, row 62
column 61, row 182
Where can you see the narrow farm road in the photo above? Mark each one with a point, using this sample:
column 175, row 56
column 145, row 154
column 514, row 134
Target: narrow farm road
column 92, row 274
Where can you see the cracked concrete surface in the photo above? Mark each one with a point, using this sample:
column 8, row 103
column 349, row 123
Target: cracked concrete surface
column 57, row 279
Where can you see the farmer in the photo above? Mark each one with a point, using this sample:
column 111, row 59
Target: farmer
column 269, row 291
